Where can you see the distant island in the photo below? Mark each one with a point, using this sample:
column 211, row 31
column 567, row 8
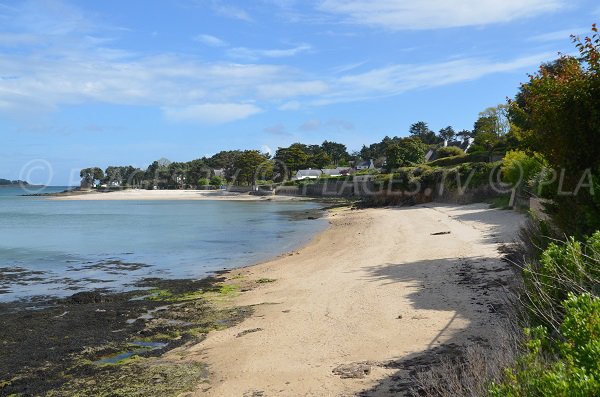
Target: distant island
column 9, row 183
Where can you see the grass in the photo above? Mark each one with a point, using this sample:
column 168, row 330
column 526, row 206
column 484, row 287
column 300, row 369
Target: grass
column 502, row 202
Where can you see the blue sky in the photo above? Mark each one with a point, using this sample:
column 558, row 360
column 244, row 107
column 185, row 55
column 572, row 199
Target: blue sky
column 113, row 82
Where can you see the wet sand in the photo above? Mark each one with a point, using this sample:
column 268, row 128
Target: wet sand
column 138, row 194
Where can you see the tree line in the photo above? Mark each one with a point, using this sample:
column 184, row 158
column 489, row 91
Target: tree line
column 248, row 167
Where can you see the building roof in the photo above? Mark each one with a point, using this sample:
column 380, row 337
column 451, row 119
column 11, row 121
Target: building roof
column 336, row 171
column 308, row 173
column 367, row 163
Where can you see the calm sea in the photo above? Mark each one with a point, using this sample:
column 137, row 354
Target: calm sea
column 60, row 247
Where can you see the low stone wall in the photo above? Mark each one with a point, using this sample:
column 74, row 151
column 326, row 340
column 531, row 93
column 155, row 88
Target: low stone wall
column 239, row 189
column 376, row 195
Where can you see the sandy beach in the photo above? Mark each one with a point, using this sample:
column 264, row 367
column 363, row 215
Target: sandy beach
column 377, row 287
column 140, row 194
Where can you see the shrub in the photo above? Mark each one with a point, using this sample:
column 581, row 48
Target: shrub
column 520, row 169
column 572, row 267
column 203, row 182
column 449, row 151
column 471, row 175
column 569, row 367
column 460, row 159
column 217, row 181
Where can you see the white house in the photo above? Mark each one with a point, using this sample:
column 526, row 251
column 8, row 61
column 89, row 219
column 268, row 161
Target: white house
column 307, row 174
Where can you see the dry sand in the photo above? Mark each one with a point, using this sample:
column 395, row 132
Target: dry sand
column 139, row 194
column 376, row 286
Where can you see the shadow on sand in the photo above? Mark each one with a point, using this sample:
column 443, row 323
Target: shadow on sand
column 473, row 288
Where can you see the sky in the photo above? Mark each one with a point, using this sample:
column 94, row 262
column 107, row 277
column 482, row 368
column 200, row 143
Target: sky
column 112, row 82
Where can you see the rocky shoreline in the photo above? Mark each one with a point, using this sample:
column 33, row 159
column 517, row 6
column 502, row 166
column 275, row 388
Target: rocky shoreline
column 94, row 343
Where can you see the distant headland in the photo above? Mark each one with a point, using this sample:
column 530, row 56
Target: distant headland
column 9, row 183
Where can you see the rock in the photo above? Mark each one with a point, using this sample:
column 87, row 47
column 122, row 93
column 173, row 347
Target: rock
column 248, row 331
column 82, row 298
column 354, row 371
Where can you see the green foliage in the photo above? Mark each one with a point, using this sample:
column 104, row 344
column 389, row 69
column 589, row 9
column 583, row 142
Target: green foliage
column 449, row 151
column 569, row 367
column 251, row 165
column 90, row 175
column 407, row 152
column 337, row 152
column 563, row 268
column 521, row 169
column 460, row 159
column 217, row 181
column 557, row 113
column 203, row 182
column 421, row 131
column 447, row 134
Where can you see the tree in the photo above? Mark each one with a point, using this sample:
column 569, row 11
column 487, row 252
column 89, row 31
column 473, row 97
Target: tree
column 421, row 130
column 250, row 165
column 291, row 159
column 320, row 160
column 336, row 151
column 493, row 120
column 89, row 176
column 557, row 114
column 464, row 135
column 488, row 141
column 223, row 160
column 197, row 169
column 447, row 134
column 177, row 175
column 217, row 181
column 407, row 152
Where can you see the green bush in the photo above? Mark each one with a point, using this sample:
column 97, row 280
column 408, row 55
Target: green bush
column 563, row 268
column 203, row 182
column 471, row 175
column 217, row 181
column 460, row 159
column 449, row 151
column 520, row 169
column 568, row 367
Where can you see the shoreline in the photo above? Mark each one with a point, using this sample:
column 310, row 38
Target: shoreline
column 167, row 195
column 377, row 288
column 346, row 311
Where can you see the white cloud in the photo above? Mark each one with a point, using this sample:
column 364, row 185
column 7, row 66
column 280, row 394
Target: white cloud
column 231, row 11
column 212, row 113
column 564, row 34
column 435, row 14
column 255, row 54
column 210, row 40
column 80, row 67
column 291, row 105
column 290, row 89
column 400, row 78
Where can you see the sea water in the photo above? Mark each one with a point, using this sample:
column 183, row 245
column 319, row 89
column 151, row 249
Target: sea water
column 56, row 248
